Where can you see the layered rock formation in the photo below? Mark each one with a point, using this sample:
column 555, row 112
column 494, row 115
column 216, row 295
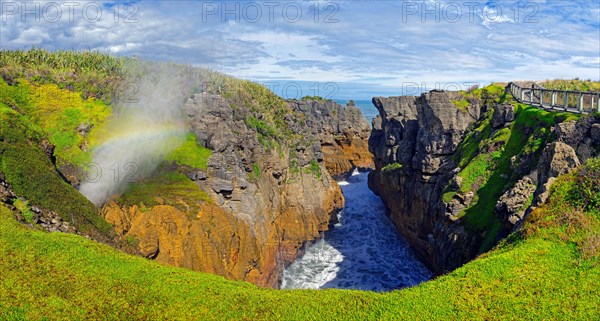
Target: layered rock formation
column 419, row 143
column 343, row 133
column 421, row 133
column 265, row 204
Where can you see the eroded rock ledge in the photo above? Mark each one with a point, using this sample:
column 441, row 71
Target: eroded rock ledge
column 343, row 134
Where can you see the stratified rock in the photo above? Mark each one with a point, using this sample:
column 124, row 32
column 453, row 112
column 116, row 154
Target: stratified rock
column 512, row 204
column 583, row 135
column 261, row 211
column 557, row 158
column 343, row 133
column 421, row 133
column 503, row 114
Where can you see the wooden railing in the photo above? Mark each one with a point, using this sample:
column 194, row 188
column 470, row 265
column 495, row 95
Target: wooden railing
column 559, row 100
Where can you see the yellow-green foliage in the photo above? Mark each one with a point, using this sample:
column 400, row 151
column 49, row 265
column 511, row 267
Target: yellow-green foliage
column 60, row 112
column 539, row 276
column 91, row 73
column 33, row 177
column 57, row 113
column 391, row 167
column 572, row 84
column 488, row 95
column 190, row 153
column 167, row 188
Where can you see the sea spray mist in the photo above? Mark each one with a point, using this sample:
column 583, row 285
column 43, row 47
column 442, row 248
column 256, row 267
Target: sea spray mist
column 147, row 124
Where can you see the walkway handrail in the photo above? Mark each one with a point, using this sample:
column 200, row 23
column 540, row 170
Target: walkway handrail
column 560, row 100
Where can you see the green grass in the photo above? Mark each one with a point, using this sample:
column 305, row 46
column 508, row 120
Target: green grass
column 166, row 188
column 542, row 273
column 58, row 113
column 488, row 95
column 391, row 167
column 33, row 176
column 484, row 158
column 190, row 154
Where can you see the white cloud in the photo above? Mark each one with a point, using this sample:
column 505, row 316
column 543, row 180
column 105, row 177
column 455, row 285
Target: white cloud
column 370, row 42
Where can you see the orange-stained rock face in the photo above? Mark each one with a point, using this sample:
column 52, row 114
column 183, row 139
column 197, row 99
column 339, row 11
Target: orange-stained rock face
column 346, row 154
column 342, row 131
column 214, row 240
column 265, row 202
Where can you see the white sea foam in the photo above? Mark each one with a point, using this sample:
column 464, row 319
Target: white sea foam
column 362, row 251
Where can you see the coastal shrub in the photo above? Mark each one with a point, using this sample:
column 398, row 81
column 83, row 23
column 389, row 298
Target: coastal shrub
column 587, row 192
column 91, row 73
column 391, row 167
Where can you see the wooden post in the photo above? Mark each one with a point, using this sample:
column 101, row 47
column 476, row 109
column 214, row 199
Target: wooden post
column 553, row 99
column 566, row 100
column 542, row 98
column 598, row 103
column 531, row 95
column 522, row 95
column 580, row 103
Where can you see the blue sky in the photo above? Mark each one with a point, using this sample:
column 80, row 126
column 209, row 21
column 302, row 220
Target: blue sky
column 340, row 49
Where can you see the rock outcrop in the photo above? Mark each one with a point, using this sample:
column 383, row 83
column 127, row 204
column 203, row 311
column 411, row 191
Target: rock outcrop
column 343, row 133
column 427, row 195
column 264, row 204
column 421, row 133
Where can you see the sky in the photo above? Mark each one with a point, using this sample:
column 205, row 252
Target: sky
column 353, row 49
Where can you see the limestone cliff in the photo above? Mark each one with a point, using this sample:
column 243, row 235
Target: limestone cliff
column 343, row 133
column 458, row 178
column 265, row 200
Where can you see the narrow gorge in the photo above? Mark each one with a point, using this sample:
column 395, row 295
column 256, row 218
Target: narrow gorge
column 459, row 171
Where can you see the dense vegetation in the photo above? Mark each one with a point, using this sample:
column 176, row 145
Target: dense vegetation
column 25, row 165
column 550, row 271
column 572, row 84
column 485, row 156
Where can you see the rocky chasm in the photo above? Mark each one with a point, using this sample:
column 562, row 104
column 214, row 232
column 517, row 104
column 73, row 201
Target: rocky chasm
column 420, row 144
column 265, row 202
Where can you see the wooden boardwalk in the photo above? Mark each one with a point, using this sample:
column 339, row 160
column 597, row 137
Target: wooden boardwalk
column 558, row 100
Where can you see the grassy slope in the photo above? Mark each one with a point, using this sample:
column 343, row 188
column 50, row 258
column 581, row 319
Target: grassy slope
column 32, row 176
column 485, row 155
column 541, row 276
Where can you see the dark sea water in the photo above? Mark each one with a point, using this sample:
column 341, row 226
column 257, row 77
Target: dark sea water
column 363, row 251
column 365, row 106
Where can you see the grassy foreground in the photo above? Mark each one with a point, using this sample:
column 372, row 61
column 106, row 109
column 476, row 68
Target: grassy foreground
column 550, row 272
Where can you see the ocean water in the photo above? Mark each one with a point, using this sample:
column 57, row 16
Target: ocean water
column 366, row 107
column 363, row 251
